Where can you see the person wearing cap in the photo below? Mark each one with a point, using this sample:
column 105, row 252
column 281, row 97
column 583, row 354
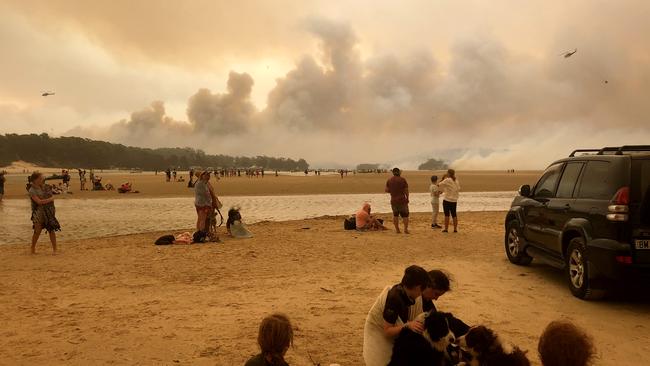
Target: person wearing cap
column 202, row 199
column 399, row 199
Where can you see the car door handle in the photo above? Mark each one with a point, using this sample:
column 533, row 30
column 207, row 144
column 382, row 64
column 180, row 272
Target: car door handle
column 565, row 207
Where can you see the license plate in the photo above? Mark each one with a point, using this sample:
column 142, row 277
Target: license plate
column 642, row 244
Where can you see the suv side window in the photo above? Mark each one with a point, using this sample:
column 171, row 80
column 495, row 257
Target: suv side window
column 545, row 188
column 569, row 179
column 598, row 181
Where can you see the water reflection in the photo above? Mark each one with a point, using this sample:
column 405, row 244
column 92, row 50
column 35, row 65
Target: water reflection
column 89, row 218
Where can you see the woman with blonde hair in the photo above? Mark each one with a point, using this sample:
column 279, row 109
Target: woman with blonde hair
column 450, row 188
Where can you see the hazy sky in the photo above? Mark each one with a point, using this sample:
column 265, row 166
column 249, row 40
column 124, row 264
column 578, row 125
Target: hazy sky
column 480, row 83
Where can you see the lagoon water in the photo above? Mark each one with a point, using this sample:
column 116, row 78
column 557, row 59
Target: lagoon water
column 90, row 218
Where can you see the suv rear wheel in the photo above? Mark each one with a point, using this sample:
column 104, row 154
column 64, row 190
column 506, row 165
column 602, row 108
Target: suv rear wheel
column 577, row 270
column 514, row 245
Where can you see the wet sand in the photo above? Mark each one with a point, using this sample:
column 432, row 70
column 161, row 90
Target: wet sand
column 123, row 300
column 153, row 186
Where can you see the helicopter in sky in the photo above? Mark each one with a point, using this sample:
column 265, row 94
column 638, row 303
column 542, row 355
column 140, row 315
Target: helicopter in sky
column 568, row 54
column 47, row 93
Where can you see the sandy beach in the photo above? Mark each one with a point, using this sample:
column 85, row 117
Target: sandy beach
column 122, row 300
column 152, row 186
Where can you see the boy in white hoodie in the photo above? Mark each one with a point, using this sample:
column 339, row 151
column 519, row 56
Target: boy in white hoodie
column 435, row 201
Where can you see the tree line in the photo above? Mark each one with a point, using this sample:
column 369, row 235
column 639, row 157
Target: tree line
column 77, row 152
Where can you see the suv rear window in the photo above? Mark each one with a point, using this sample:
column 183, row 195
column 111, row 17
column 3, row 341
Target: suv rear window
column 600, row 180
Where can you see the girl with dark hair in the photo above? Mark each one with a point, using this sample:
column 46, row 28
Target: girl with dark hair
column 274, row 338
column 43, row 211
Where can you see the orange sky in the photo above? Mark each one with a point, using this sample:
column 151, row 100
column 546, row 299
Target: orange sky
column 445, row 75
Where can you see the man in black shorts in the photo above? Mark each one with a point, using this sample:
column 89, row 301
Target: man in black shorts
column 399, row 199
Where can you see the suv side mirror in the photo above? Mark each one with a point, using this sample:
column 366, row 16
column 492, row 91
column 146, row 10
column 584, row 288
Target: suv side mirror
column 524, row 190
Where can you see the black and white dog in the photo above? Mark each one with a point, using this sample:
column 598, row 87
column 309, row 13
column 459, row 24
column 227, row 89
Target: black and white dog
column 481, row 347
column 432, row 347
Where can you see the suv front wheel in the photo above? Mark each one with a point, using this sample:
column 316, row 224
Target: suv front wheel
column 577, row 270
column 514, row 245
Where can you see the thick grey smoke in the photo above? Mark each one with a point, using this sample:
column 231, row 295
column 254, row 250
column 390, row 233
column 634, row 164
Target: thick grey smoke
column 522, row 109
column 226, row 113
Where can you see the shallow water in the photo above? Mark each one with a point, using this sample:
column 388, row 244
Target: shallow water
column 91, row 218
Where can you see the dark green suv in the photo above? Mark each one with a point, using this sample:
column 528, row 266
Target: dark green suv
column 589, row 214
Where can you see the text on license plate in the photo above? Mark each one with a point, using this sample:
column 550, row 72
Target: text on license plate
column 642, row 243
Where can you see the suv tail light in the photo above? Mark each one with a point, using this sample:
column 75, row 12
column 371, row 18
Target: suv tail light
column 622, row 196
column 619, row 208
column 624, row 259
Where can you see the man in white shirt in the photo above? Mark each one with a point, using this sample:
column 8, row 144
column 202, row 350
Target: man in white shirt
column 435, row 201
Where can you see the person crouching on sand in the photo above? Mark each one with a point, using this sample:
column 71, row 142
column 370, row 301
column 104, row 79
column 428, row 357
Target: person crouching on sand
column 367, row 222
column 564, row 344
column 43, row 211
column 274, row 338
column 390, row 314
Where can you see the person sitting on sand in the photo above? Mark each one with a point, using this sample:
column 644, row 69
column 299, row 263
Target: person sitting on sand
column 367, row 222
column 124, row 188
column 275, row 336
column 181, row 179
column 43, row 211
column 391, row 313
column 235, row 226
column 564, row 344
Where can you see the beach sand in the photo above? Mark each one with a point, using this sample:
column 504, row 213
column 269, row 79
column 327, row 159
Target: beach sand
column 152, row 186
column 122, row 300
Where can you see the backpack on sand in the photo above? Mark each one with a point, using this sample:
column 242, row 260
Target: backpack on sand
column 350, row 223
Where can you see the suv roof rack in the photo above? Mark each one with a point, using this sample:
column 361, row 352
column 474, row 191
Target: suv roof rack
column 635, row 148
column 582, row 151
column 616, row 150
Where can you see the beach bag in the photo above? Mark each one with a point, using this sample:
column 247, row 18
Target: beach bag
column 350, row 223
column 165, row 240
column 200, row 237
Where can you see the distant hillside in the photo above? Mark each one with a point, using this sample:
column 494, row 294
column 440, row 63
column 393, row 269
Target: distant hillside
column 76, row 152
column 433, row 164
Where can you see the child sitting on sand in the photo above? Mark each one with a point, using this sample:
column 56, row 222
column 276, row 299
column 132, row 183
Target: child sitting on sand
column 564, row 344
column 274, row 338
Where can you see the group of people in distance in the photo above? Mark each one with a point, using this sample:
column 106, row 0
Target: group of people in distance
column 399, row 307
column 398, row 188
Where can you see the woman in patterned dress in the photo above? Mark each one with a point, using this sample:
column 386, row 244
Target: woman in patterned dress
column 43, row 211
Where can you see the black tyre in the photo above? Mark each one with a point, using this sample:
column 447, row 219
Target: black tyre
column 577, row 271
column 514, row 244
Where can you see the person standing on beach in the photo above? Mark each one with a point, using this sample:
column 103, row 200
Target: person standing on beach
column 450, row 188
column 202, row 200
column 435, row 201
column 399, row 199
column 43, row 211
column 2, row 184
